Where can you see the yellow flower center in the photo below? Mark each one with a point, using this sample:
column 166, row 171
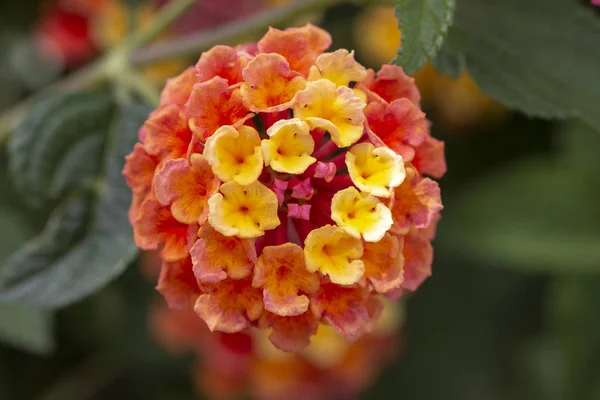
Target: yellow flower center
column 338, row 110
column 375, row 169
column 289, row 147
column 334, row 252
column 235, row 154
column 361, row 214
column 243, row 211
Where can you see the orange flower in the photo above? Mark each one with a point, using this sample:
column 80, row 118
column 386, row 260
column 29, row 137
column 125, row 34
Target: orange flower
column 186, row 188
column 216, row 257
column 213, row 104
column 291, row 333
column 300, row 46
column 416, row 202
column 429, row 158
column 277, row 181
column 269, row 84
column 384, row 263
column 401, row 125
column 281, row 272
column 177, row 284
column 156, row 227
column 418, row 254
column 166, row 132
column 391, row 84
column 230, row 305
column 177, row 90
column 344, row 308
column 139, row 171
column 222, row 61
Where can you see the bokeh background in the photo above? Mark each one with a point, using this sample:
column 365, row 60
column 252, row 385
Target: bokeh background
column 510, row 312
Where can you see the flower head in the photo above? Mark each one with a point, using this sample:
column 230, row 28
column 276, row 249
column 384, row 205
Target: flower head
column 284, row 187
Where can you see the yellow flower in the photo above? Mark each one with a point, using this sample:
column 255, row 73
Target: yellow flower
column 289, row 147
column 327, row 347
column 339, row 67
column 336, row 109
column 375, row 170
column 235, row 154
column 334, row 252
column 361, row 214
column 243, row 211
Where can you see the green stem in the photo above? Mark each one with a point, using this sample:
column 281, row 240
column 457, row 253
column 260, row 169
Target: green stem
column 166, row 16
column 145, row 90
column 236, row 30
column 228, row 33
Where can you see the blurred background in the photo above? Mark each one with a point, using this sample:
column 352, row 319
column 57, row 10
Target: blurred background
column 510, row 312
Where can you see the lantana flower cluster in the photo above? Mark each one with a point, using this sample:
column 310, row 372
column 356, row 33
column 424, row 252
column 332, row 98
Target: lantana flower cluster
column 246, row 365
column 285, row 187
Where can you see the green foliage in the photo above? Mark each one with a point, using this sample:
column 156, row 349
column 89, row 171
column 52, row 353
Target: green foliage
column 424, row 24
column 88, row 240
column 58, row 147
column 26, row 328
column 539, row 215
column 540, row 57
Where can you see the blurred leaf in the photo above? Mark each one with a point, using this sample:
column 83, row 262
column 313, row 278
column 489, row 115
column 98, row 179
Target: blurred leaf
column 88, row 241
column 26, row 328
column 574, row 303
column 17, row 224
column 535, row 215
column 424, row 24
column 581, row 145
column 537, row 56
column 59, row 145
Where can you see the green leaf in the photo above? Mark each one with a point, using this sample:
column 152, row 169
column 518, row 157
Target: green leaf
column 537, row 216
column 17, row 223
column 573, row 308
column 26, row 328
column 424, row 24
column 540, row 57
column 88, row 241
column 58, row 147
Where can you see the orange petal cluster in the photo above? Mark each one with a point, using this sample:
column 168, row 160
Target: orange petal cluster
column 231, row 365
column 285, row 188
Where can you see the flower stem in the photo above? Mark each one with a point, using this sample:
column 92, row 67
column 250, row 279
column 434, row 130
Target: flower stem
column 228, row 33
column 166, row 16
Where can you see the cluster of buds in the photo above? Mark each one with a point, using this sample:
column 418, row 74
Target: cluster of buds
column 285, row 188
column 246, row 365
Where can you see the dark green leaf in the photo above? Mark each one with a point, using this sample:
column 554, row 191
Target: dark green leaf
column 87, row 242
column 424, row 24
column 573, row 307
column 26, row 328
column 537, row 56
column 59, row 145
column 534, row 216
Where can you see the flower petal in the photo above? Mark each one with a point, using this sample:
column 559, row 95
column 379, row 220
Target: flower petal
column 384, row 263
column 401, row 125
column 281, row 272
column 230, row 306
column 243, row 211
column 361, row 214
column 289, row 146
column 235, row 154
column 334, row 252
column 216, row 257
column 270, row 85
column 186, row 187
column 375, row 169
column 213, row 104
column 335, row 109
column 300, row 46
